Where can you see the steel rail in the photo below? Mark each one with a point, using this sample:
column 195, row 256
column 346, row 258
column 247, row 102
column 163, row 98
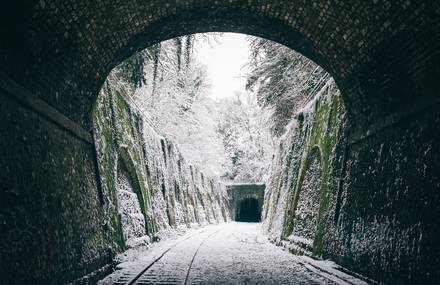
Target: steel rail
column 145, row 269
column 194, row 256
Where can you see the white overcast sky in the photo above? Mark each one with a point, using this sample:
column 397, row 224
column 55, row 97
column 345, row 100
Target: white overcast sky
column 225, row 59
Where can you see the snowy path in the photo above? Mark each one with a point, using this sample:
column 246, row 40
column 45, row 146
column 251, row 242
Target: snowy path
column 232, row 253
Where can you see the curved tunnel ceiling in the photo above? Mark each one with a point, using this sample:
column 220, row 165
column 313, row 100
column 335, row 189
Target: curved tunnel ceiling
column 63, row 50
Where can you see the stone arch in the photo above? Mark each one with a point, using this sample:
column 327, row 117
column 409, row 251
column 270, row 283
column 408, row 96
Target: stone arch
column 130, row 199
column 70, row 59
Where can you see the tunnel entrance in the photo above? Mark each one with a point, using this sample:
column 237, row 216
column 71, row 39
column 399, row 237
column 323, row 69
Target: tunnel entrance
column 389, row 137
column 249, row 211
column 246, row 201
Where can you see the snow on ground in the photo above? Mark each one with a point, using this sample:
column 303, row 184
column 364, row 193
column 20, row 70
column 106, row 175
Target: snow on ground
column 229, row 253
column 132, row 261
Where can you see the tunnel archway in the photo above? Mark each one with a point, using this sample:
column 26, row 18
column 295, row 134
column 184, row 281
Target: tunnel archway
column 248, row 211
column 342, row 38
column 383, row 55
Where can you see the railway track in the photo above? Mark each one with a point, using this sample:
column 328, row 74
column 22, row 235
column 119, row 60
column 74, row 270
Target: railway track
column 143, row 276
column 229, row 255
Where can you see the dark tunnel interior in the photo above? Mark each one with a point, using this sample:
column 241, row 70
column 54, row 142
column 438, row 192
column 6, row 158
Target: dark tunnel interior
column 249, row 211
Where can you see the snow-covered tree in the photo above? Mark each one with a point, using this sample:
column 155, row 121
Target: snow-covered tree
column 283, row 80
column 230, row 138
column 170, row 87
column 246, row 137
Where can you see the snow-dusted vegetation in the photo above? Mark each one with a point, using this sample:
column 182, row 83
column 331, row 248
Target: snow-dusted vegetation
column 191, row 141
column 183, row 145
column 243, row 126
column 283, row 81
column 169, row 85
column 150, row 190
column 233, row 137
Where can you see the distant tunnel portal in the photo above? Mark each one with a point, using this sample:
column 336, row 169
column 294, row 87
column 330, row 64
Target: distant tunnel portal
column 246, row 201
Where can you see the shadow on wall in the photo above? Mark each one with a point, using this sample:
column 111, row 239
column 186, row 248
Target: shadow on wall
column 249, row 211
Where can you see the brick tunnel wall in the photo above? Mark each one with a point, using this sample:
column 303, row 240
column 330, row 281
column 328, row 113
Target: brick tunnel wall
column 379, row 52
column 384, row 216
column 51, row 214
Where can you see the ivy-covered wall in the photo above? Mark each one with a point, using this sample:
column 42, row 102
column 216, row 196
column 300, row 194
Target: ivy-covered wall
column 172, row 193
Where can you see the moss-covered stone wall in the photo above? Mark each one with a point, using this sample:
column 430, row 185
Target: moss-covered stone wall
column 172, row 193
column 51, row 208
column 312, row 136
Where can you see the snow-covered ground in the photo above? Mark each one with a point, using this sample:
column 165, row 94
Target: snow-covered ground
column 229, row 253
